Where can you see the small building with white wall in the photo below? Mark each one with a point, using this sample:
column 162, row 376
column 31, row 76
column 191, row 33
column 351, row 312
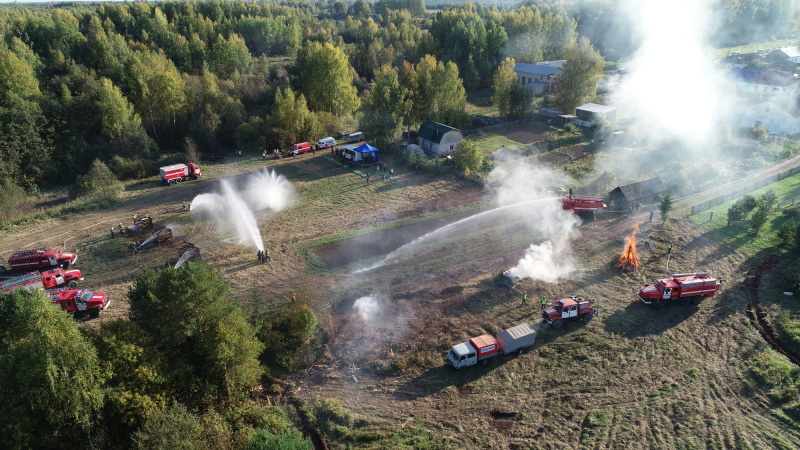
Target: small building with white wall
column 438, row 139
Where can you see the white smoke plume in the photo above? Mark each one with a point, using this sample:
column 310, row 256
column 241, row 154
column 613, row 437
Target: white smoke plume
column 233, row 208
column 367, row 308
column 668, row 107
column 526, row 186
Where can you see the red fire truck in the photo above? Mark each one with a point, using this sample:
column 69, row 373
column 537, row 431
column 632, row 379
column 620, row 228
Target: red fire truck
column 179, row 172
column 573, row 308
column 40, row 258
column 48, row 279
column 583, row 205
column 683, row 288
column 80, row 302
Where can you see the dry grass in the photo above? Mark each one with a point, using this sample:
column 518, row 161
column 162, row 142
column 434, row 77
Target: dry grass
column 632, row 378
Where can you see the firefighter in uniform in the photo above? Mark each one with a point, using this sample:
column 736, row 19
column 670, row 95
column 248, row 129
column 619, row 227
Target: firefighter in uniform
column 544, row 303
column 524, row 298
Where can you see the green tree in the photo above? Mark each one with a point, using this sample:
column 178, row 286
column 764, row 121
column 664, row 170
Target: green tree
column 230, row 55
column 326, row 78
column 134, row 373
column 468, row 158
column 436, row 93
column 99, row 181
column 211, row 350
column 172, row 427
column 291, row 120
column 787, row 233
column 758, row 219
column 51, row 384
column 288, row 337
column 383, row 108
column 582, row 71
column 511, row 99
column 17, row 77
column 665, row 206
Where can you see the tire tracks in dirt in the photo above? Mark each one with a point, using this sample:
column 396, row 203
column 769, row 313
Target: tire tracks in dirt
column 757, row 316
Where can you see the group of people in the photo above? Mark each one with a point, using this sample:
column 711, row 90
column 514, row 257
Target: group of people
column 525, row 300
column 263, row 256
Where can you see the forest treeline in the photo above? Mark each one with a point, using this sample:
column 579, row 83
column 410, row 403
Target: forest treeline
column 127, row 82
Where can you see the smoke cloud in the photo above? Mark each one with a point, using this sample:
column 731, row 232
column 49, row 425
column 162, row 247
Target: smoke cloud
column 527, row 187
column 233, row 208
column 367, row 308
column 673, row 108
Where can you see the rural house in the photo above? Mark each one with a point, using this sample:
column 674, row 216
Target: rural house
column 437, row 138
column 542, row 77
column 775, row 118
column 786, row 57
column 644, row 192
column 763, row 83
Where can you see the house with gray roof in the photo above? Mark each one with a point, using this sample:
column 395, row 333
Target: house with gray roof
column 764, row 83
column 437, row 138
column 542, row 77
column 645, row 192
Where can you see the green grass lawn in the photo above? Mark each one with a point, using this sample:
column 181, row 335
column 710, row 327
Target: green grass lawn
column 490, row 142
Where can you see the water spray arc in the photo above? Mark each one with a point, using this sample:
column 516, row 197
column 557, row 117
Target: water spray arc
column 233, row 208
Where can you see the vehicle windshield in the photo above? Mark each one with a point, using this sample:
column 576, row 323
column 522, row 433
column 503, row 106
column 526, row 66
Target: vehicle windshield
column 660, row 287
column 87, row 295
column 454, row 355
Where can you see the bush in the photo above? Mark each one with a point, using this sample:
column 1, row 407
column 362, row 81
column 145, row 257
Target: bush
column 787, row 232
column 131, row 168
column 330, row 418
column 14, row 202
column 758, row 219
column 287, row 440
column 767, row 200
column 288, row 336
column 99, row 183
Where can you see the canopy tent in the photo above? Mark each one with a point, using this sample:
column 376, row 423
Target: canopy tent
column 365, row 154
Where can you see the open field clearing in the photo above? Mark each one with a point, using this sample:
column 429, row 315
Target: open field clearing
column 682, row 377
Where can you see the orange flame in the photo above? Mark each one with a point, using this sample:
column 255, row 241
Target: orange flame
column 629, row 260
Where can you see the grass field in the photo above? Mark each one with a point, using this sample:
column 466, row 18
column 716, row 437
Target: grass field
column 685, row 377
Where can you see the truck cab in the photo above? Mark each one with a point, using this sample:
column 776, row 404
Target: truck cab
column 462, row 355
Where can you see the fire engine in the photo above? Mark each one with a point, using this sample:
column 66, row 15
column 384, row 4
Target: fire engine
column 683, row 288
column 40, row 258
column 582, row 205
column 179, row 172
column 48, row 279
column 80, row 302
column 573, row 308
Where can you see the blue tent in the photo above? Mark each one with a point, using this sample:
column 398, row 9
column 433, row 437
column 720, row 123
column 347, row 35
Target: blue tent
column 369, row 154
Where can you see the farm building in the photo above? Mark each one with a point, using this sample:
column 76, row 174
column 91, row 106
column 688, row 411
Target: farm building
column 437, row 138
column 590, row 112
column 763, row 84
column 644, row 192
column 542, row 77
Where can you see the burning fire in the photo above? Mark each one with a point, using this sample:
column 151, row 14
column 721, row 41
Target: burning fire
column 629, row 260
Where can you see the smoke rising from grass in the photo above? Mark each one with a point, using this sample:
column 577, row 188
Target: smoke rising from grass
column 551, row 259
column 233, row 208
column 367, row 308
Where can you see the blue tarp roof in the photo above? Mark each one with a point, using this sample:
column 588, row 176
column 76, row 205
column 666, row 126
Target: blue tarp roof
column 365, row 148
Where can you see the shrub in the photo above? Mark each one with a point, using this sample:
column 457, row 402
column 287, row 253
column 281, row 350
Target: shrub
column 288, row 336
column 287, row 440
column 767, row 200
column 99, row 183
column 758, row 219
column 330, row 418
column 131, row 168
column 14, row 202
column 787, row 232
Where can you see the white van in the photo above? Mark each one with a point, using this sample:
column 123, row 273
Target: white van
column 326, row 142
column 355, row 137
